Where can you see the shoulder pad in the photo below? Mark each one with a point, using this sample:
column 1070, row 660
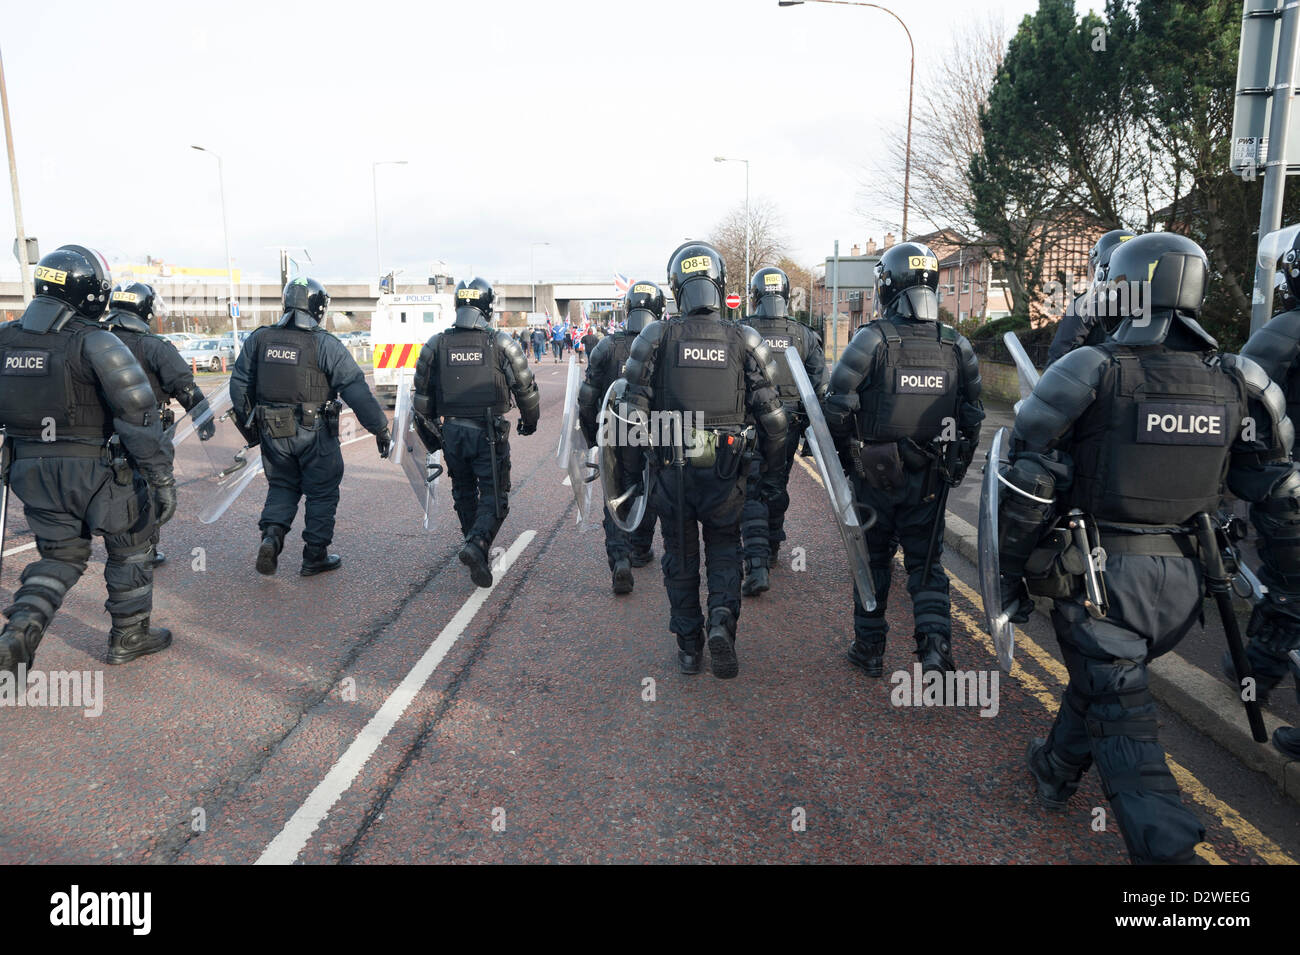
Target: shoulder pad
column 948, row 334
column 1256, row 379
column 653, row 332
column 751, row 336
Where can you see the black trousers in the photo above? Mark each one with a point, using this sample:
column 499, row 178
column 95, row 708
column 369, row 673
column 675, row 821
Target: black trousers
column 480, row 505
column 767, row 498
column 620, row 544
column 67, row 502
column 308, row 465
column 711, row 505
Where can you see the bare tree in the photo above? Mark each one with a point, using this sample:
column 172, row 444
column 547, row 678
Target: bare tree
column 767, row 243
column 945, row 135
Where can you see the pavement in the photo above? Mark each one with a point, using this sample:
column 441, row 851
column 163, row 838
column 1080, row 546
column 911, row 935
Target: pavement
column 391, row 712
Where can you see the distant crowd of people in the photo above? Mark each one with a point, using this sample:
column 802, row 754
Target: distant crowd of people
column 558, row 339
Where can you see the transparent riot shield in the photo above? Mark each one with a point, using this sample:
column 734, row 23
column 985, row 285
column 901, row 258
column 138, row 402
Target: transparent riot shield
column 214, row 405
column 997, row 619
column 421, row 467
column 625, row 502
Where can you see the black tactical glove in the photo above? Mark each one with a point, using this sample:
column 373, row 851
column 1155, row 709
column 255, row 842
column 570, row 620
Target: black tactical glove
column 525, row 428
column 384, row 441
column 207, row 429
column 1015, row 593
column 164, row 499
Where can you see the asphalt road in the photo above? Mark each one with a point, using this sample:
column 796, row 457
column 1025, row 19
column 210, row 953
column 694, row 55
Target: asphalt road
column 392, row 712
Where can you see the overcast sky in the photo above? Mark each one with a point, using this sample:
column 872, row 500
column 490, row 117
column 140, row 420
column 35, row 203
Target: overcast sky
column 588, row 124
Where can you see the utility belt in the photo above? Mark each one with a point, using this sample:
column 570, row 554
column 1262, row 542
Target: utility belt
column 283, row 421
column 726, row 450
column 109, row 454
column 884, row 465
column 166, row 416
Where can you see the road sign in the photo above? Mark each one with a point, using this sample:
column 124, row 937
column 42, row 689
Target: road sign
column 1257, row 68
column 33, row 251
column 733, row 300
column 234, row 309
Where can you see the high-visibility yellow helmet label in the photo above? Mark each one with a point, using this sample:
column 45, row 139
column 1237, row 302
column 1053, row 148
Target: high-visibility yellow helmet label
column 46, row 274
column 697, row 263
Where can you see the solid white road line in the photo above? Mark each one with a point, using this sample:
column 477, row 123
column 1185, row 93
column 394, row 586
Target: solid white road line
column 285, row 847
column 19, row 550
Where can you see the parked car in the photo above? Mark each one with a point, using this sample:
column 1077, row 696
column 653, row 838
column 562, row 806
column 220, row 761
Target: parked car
column 208, row 353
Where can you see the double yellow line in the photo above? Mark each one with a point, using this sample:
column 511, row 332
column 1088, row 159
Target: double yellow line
column 1248, row 835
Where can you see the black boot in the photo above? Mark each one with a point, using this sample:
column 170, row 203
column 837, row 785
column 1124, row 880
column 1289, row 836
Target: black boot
column 756, row 579
column 622, row 576
column 18, row 641
column 722, row 644
column 1057, row 780
column 133, row 637
column 869, row 657
column 1262, row 686
column 317, row 560
column 474, row 556
column 641, row 558
column 934, row 650
column 268, row 554
column 690, row 653
column 1287, row 741
column 159, row 558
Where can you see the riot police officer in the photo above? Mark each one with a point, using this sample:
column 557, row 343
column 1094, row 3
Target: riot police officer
column 643, row 303
column 1274, row 628
column 712, row 375
column 1087, row 320
column 285, row 387
column 85, row 455
column 766, row 497
column 1135, row 439
column 904, row 410
column 464, row 380
column 132, row 307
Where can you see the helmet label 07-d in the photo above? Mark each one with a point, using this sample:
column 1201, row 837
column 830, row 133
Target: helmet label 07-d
column 771, row 278
column 26, row 361
column 282, row 354
column 701, row 355
column 458, row 357
column 1167, row 422
column 923, row 262
column 921, row 381
column 47, row 274
column 697, row 263
column 777, row 343
column 129, row 297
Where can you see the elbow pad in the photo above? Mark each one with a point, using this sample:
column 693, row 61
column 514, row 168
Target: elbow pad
column 1064, row 392
column 1021, row 518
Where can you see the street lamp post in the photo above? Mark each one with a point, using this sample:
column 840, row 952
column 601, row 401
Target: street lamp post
column 230, row 266
column 746, row 162
column 911, row 77
column 532, row 274
column 23, row 266
column 374, row 189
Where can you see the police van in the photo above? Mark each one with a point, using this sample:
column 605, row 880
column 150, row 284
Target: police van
column 401, row 325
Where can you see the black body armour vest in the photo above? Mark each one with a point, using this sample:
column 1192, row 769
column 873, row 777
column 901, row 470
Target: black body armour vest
column 701, row 369
column 918, row 383
column 135, row 342
column 46, row 377
column 1154, row 446
column 288, row 368
column 622, row 348
column 779, row 335
column 469, row 381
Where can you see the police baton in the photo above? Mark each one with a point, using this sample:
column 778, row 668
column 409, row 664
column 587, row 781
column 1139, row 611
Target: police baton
column 5, row 456
column 492, row 450
column 1217, row 583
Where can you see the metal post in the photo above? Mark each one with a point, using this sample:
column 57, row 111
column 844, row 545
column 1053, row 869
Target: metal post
column 374, row 192
column 748, row 274
column 24, row 268
column 835, row 304
column 230, row 265
column 1270, row 210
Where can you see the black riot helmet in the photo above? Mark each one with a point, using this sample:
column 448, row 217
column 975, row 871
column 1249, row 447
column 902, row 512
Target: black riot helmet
column 697, row 277
column 907, row 281
column 306, row 295
column 643, row 303
column 473, row 302
column 138, row 299
column 76, row 276
column 769, row 293
column 1162, row 270
column 1102, row 250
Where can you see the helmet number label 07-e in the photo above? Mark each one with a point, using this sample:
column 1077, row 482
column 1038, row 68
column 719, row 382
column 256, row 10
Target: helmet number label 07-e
column 701, row 355
column 697, row 263
column 777, row 343
column 26, row 361
column 1167, row 422
column 464, row 357
column 921, row 381
column 282, row 355
column 46, row 274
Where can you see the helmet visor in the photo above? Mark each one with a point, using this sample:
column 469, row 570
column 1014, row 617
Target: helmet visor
column 1274, row 247
column 771, row 305
column 919, row 302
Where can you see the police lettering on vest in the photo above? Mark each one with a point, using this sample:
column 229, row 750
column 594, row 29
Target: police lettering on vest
column 1170, row 423
column 281, row 354
column 701, row 355
column 465, row 356
column 777, row 343
column 922, row 381
column 27, row 362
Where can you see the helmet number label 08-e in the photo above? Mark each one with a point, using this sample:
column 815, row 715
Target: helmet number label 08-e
column 464, row 357
column 46, row 274
column 921, row 381
column 282, row 355
column 701, row 355
column 697, row 263
column 1167, row 422
column 26, row 361
column 923, row 262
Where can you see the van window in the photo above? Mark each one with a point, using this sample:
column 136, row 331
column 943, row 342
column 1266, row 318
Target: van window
column 403, row 318
column 430, row 317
